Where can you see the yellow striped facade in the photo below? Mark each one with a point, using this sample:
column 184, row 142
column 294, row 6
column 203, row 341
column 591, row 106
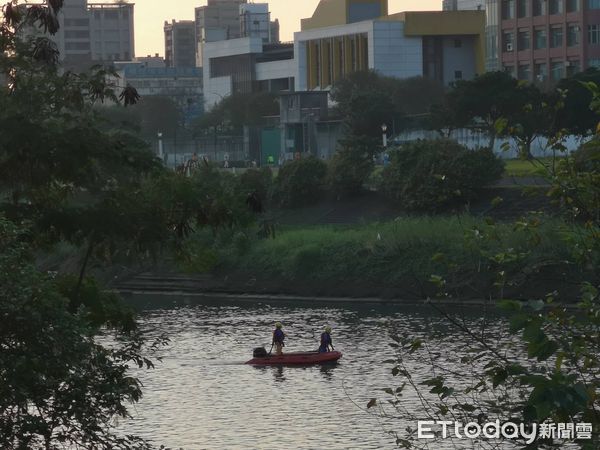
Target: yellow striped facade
column 330, row 59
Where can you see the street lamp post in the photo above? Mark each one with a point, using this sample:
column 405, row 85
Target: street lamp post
column 161, row 154
column 384, row 130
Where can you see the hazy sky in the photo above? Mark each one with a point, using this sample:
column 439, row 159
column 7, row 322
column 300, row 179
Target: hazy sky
column 151, row 14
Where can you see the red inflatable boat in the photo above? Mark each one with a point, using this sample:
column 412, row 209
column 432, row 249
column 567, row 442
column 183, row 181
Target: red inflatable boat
column 293, row 359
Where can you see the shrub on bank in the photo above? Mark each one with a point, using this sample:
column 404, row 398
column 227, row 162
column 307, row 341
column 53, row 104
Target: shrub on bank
column 352, row 164
column 398, row 253
column 300, row 183
column 434, row 175
column 259, row 181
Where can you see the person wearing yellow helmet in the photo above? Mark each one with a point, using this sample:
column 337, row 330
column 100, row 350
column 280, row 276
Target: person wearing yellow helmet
column 326, row 341
column 278, row 339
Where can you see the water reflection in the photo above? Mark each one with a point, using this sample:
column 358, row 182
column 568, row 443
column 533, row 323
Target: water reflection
column 203, row 396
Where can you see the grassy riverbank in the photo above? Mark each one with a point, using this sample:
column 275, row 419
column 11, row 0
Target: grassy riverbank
column 396, row 259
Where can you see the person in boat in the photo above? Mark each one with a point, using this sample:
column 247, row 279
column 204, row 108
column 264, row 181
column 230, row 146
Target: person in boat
column 278, row 339
column 326, row 341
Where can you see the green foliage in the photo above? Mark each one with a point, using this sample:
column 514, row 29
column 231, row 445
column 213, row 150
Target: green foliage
column 148, row 117
column 259, row 181
column 531, row 118
column 395, row 254
column 545, row 366
column 478, row 103
column 300, row 182
column 235, row 111
column 576, row 183
column 576, row 116
column 59, row 387
column 432, row 175
column 366, row 100
column 352, row 164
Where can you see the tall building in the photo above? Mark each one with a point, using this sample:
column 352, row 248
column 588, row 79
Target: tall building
column 112, row 31
column 95, row 33
column 540, row 40
column 180, row 43
column 546, row 40
column 222, row 20
column 217, row 21
column 492, row 26
column 344, row 36
column 255, row 21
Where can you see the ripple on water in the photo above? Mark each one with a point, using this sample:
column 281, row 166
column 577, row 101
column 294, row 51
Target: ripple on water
column 202, row 397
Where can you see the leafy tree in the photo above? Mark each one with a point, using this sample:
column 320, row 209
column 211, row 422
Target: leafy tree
column 300, row 182
column 235, row 111
column 71, row 179
column 159, row 114
column 147, row 117
column 259, row 181
column 352, row 164
column 484, row 101
column 59, row 387
column 542, row 364
column 364, row 102
column 446, row 117
column 531, row 119
column 576, row 116
column 432, row 175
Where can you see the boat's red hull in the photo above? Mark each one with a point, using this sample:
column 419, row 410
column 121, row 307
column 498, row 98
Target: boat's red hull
column 293, row 359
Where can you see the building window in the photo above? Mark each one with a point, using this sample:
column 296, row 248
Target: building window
column 524, row 40
column 594, row 34
column 524, row 72
column 458, row 75
column 573, row 5
column 541, row 39
column 77, row 22
column 457, row 43
column 573, row 35
column 556, row 37
column 77, row 46
column 522, row 8
column 508, row 41
column 556, row 70
column 75, row 34
column 541, row 72
column 539, row 7
column 593, row 4
column 556, row 7
column 508, row 9
column 573, row 67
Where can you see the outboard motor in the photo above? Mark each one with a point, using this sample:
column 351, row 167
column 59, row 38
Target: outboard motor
column 260, row 352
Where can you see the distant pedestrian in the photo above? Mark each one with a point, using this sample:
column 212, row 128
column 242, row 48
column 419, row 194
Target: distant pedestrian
column 326, row 341
column 278, row 339
column 254, row 202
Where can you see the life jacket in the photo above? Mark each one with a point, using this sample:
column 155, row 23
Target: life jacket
column 325, row 339
column 278, row 336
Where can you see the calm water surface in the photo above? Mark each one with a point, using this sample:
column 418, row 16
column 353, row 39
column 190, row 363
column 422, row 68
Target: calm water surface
column 202, row 396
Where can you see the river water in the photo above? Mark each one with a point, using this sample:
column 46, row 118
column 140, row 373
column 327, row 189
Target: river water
column 202, row 396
